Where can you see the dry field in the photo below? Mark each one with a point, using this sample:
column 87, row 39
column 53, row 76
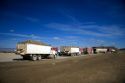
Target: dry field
column 108, row 68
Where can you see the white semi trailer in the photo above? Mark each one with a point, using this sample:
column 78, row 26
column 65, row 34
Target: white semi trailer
column 101, row 50
column 70, row 50
column 34, row 50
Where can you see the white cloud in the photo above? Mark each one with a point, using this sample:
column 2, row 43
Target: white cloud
column 12, row 30
column 69, row 16
column 72, row 37
column 72, row 29
column 113, row 30
column 56, row 38
column 87, row 28
column 16, row 15
column 31, row 19
column 21, row 35
column 94, row 30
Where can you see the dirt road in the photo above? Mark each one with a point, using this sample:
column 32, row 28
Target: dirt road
column 85, row 69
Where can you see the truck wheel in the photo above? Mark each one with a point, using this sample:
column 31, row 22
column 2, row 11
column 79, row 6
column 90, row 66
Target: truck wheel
column 24, row 57
column 77, row 54
column 39, row 57
column 34, row 57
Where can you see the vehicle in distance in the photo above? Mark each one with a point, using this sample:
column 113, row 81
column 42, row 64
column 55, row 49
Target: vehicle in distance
column 70, row 50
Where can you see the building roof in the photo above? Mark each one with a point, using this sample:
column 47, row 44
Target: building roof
column 33, row 42
column 123, row 49
column 112, row 47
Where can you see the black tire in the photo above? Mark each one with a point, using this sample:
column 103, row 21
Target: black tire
column 39, row 57
column 34, row 57
column 26, row 57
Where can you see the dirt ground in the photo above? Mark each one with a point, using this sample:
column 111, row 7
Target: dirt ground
column 103, row 68
column 7, row 57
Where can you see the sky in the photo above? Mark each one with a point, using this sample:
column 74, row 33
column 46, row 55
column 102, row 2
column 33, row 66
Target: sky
column 83, row 23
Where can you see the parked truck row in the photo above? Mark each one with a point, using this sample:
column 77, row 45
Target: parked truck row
column 35, row 50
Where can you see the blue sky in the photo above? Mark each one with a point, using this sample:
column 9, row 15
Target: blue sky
column 83, row 23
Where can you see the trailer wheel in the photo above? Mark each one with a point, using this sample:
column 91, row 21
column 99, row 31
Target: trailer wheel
column 39, row 57
column 24, row 57
column 34, row 57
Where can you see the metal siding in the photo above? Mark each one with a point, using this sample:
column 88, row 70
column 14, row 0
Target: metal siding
column 69, row 49
column 101, row 50
column 38, row 49
column 74, row 50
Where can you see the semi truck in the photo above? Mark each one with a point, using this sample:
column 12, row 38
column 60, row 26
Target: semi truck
column 70, row 50
column 104, row 49
column 34, row 50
